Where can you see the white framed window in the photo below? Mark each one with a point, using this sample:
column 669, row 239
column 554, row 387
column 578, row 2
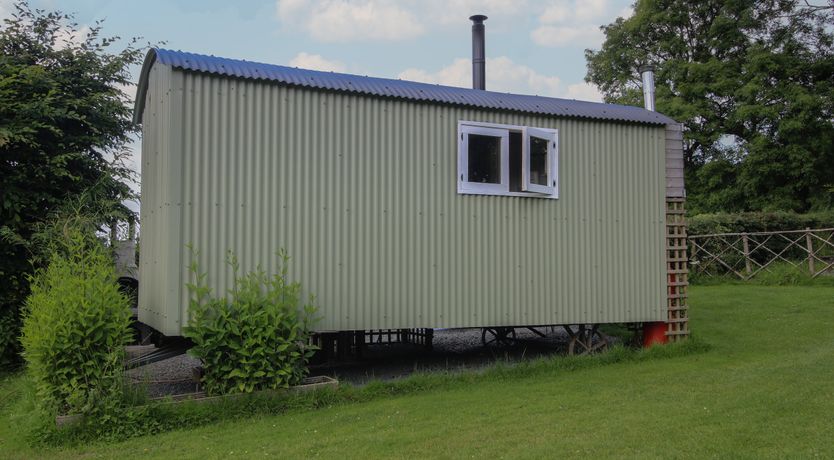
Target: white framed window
column 509, row 160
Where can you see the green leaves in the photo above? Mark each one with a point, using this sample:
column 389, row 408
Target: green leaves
column 257, row 336
column 752, row 82
column 76, row 326
column 757, row 222
column 65, row 122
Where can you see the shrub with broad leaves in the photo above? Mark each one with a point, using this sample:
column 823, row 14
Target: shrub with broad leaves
column 256, row 337
column 76, row 326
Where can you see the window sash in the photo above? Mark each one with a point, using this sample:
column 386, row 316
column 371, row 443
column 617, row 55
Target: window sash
column 552, row 162
column 464, row 186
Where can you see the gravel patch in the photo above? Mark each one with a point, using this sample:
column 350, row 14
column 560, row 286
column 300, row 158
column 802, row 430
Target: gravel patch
column 168, row 377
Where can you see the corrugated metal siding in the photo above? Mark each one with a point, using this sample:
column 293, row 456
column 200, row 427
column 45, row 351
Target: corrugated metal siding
column 362, row 193
column 674, row 161
column 157, row 268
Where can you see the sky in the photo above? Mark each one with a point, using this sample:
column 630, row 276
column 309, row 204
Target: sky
column 532, row 46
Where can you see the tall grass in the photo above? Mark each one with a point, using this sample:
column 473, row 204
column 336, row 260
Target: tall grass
column 776, row 274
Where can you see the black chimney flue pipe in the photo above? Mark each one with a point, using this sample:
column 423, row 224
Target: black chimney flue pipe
column 478, row 52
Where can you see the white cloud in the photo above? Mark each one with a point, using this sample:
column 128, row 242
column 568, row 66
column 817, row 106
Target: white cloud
column 555, row 13
column 354, row 20
column 558, row 36
column 504, row 75
column 458, row 73
column 574, row 23
column 287, row 9
column 348, row 20
column 316, row 62
column 583, row 92
column 567, row 11
column 340, row 20
column 587, row 10
column 626, row 12
column 457, row 11
column 560, row 22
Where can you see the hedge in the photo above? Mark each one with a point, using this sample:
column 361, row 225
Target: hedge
column 749, row 222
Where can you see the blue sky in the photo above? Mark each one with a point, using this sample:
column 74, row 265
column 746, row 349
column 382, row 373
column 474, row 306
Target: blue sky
column 533, row 46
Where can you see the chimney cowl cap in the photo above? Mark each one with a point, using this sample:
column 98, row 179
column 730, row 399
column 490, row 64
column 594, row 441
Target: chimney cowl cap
column 646, row 68
column 478, row 18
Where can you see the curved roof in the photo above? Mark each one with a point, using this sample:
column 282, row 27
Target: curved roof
column 386, row 87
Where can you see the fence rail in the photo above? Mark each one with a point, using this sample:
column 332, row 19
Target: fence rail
column 747, row 254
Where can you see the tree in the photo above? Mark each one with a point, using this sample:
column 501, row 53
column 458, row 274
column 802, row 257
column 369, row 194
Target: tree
column 65, row 122
column 753, row 83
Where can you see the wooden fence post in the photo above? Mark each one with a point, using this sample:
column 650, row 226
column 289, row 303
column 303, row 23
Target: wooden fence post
column 810, row 244
column 747, row 267
column 693, row 252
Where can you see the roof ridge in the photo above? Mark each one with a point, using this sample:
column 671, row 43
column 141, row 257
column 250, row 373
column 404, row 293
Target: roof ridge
column 395, row 88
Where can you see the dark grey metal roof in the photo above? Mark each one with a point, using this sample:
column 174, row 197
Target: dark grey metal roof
column 385, row 87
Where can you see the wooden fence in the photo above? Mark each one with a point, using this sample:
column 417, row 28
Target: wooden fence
column 747, row 254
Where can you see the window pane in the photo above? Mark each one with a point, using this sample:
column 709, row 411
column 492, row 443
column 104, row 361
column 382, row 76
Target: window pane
column 516, row 162
column 484, row 159
column 538, row 161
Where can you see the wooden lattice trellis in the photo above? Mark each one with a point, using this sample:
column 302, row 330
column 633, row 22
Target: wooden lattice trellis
column 677, row 274
column 745, row 255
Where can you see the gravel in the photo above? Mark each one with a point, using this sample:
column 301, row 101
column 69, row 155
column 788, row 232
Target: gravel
column 168, row 377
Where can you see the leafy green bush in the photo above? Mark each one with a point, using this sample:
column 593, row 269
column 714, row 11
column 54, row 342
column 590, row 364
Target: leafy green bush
column 76, row 325
column 703, row 224
column 255, row 338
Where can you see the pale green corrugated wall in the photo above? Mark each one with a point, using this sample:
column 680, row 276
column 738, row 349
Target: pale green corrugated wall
column 157, row 292
column 362, row 193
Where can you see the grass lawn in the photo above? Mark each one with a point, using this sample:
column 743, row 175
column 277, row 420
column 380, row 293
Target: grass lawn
column 764, row 389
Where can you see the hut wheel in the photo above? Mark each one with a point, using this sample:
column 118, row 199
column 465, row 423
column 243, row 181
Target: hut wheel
column 586, row 340
column 498, row 336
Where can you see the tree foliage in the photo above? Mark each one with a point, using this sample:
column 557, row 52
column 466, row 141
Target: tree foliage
column 753, row 83
column 64, row 126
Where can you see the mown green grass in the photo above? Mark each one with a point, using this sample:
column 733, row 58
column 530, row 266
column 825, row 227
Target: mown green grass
column 765, row 388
